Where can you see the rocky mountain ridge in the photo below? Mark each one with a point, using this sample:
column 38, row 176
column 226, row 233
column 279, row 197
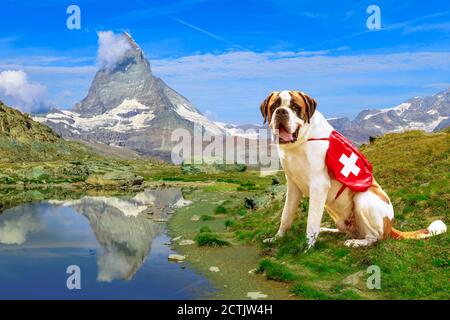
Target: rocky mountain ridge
column 431, row 113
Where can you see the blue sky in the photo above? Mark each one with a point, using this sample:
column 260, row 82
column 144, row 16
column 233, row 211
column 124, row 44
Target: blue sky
column 226, row 56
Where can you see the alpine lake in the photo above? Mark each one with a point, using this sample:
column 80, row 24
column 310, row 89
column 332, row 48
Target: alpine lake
column 67, row 244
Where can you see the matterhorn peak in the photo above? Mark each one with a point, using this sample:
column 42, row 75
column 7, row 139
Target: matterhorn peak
column 127, row 105
column 131, row 41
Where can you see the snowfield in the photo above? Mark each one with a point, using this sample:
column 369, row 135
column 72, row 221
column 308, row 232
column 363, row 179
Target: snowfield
column 130, row 115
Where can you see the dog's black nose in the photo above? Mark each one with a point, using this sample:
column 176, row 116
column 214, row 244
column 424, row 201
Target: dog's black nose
column 283, row 112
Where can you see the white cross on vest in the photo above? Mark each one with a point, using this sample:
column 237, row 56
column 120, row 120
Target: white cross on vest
column 349, row 165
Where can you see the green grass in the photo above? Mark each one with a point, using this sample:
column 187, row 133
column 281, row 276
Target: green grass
column 229, row 223
column 276, row 271
column 220, row 210
column 307, row 291
column 205, row 229
column 209, row 239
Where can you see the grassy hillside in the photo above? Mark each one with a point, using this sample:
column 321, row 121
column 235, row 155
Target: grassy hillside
column 413, row 168
column 22, row 139
column 32, row 156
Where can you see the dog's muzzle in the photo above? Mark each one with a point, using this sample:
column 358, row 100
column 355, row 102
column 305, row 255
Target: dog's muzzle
column 282, row 127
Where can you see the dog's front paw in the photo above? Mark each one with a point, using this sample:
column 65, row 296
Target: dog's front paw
column 309, row 246
column 310, row 241
column 351, row 243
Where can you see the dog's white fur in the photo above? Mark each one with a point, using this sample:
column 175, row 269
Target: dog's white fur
column 307, row 176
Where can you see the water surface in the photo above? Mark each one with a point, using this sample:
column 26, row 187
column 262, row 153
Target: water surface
column 122, row 253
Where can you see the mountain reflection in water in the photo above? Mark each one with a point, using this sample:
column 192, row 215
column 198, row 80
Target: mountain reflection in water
column 118, row 233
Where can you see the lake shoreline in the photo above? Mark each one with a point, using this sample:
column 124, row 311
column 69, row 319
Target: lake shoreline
column 231, row 269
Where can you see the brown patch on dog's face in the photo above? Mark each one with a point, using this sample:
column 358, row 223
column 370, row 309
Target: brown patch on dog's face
column 269, row 105
column 303, row 105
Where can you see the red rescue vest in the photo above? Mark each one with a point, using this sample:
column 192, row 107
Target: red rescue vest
column 346, row 164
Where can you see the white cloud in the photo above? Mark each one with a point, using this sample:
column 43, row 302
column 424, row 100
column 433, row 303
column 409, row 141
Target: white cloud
column 16, row 229
column 286, row 64
column 16, row 89
column 443, row 27
column 342, row 83
column 52, row 70
column 111, row 48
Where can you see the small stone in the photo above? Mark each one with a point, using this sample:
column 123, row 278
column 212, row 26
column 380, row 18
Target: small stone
column 186, row 242
column 252, row 271
column 176, row 239
column 256, row 295
column 195, row 218
column 176, row 257
column 353, row 279
column 214, row 269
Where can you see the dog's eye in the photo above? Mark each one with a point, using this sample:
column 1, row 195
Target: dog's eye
column 296, row 108
column 274, row 106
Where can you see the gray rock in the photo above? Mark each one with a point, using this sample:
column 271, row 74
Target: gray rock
column 354, row 279
column 176, row 257
column 186, row 242
column 254, row 295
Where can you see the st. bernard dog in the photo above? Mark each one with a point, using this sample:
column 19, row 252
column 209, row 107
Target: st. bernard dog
column 365, row 217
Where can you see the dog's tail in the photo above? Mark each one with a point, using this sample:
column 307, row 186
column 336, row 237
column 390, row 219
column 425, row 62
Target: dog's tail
column 435, row 228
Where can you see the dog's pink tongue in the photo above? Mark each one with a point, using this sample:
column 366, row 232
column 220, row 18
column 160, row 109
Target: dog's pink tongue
column 284, row 134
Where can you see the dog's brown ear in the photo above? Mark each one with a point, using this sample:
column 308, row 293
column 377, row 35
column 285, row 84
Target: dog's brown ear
column 265, row 107
column 311, row 105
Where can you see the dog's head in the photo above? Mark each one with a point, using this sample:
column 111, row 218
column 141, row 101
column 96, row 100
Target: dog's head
column 287, row 112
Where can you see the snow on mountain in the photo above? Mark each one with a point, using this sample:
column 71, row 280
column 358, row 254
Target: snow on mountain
column 130, row 115
column 192, row 115
column 398, row 110
column 427, row 114
column 248, row 131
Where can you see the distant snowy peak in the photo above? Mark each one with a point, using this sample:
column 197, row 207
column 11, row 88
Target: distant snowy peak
column 399, row 110
column 248, row 131
column 420, row 113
